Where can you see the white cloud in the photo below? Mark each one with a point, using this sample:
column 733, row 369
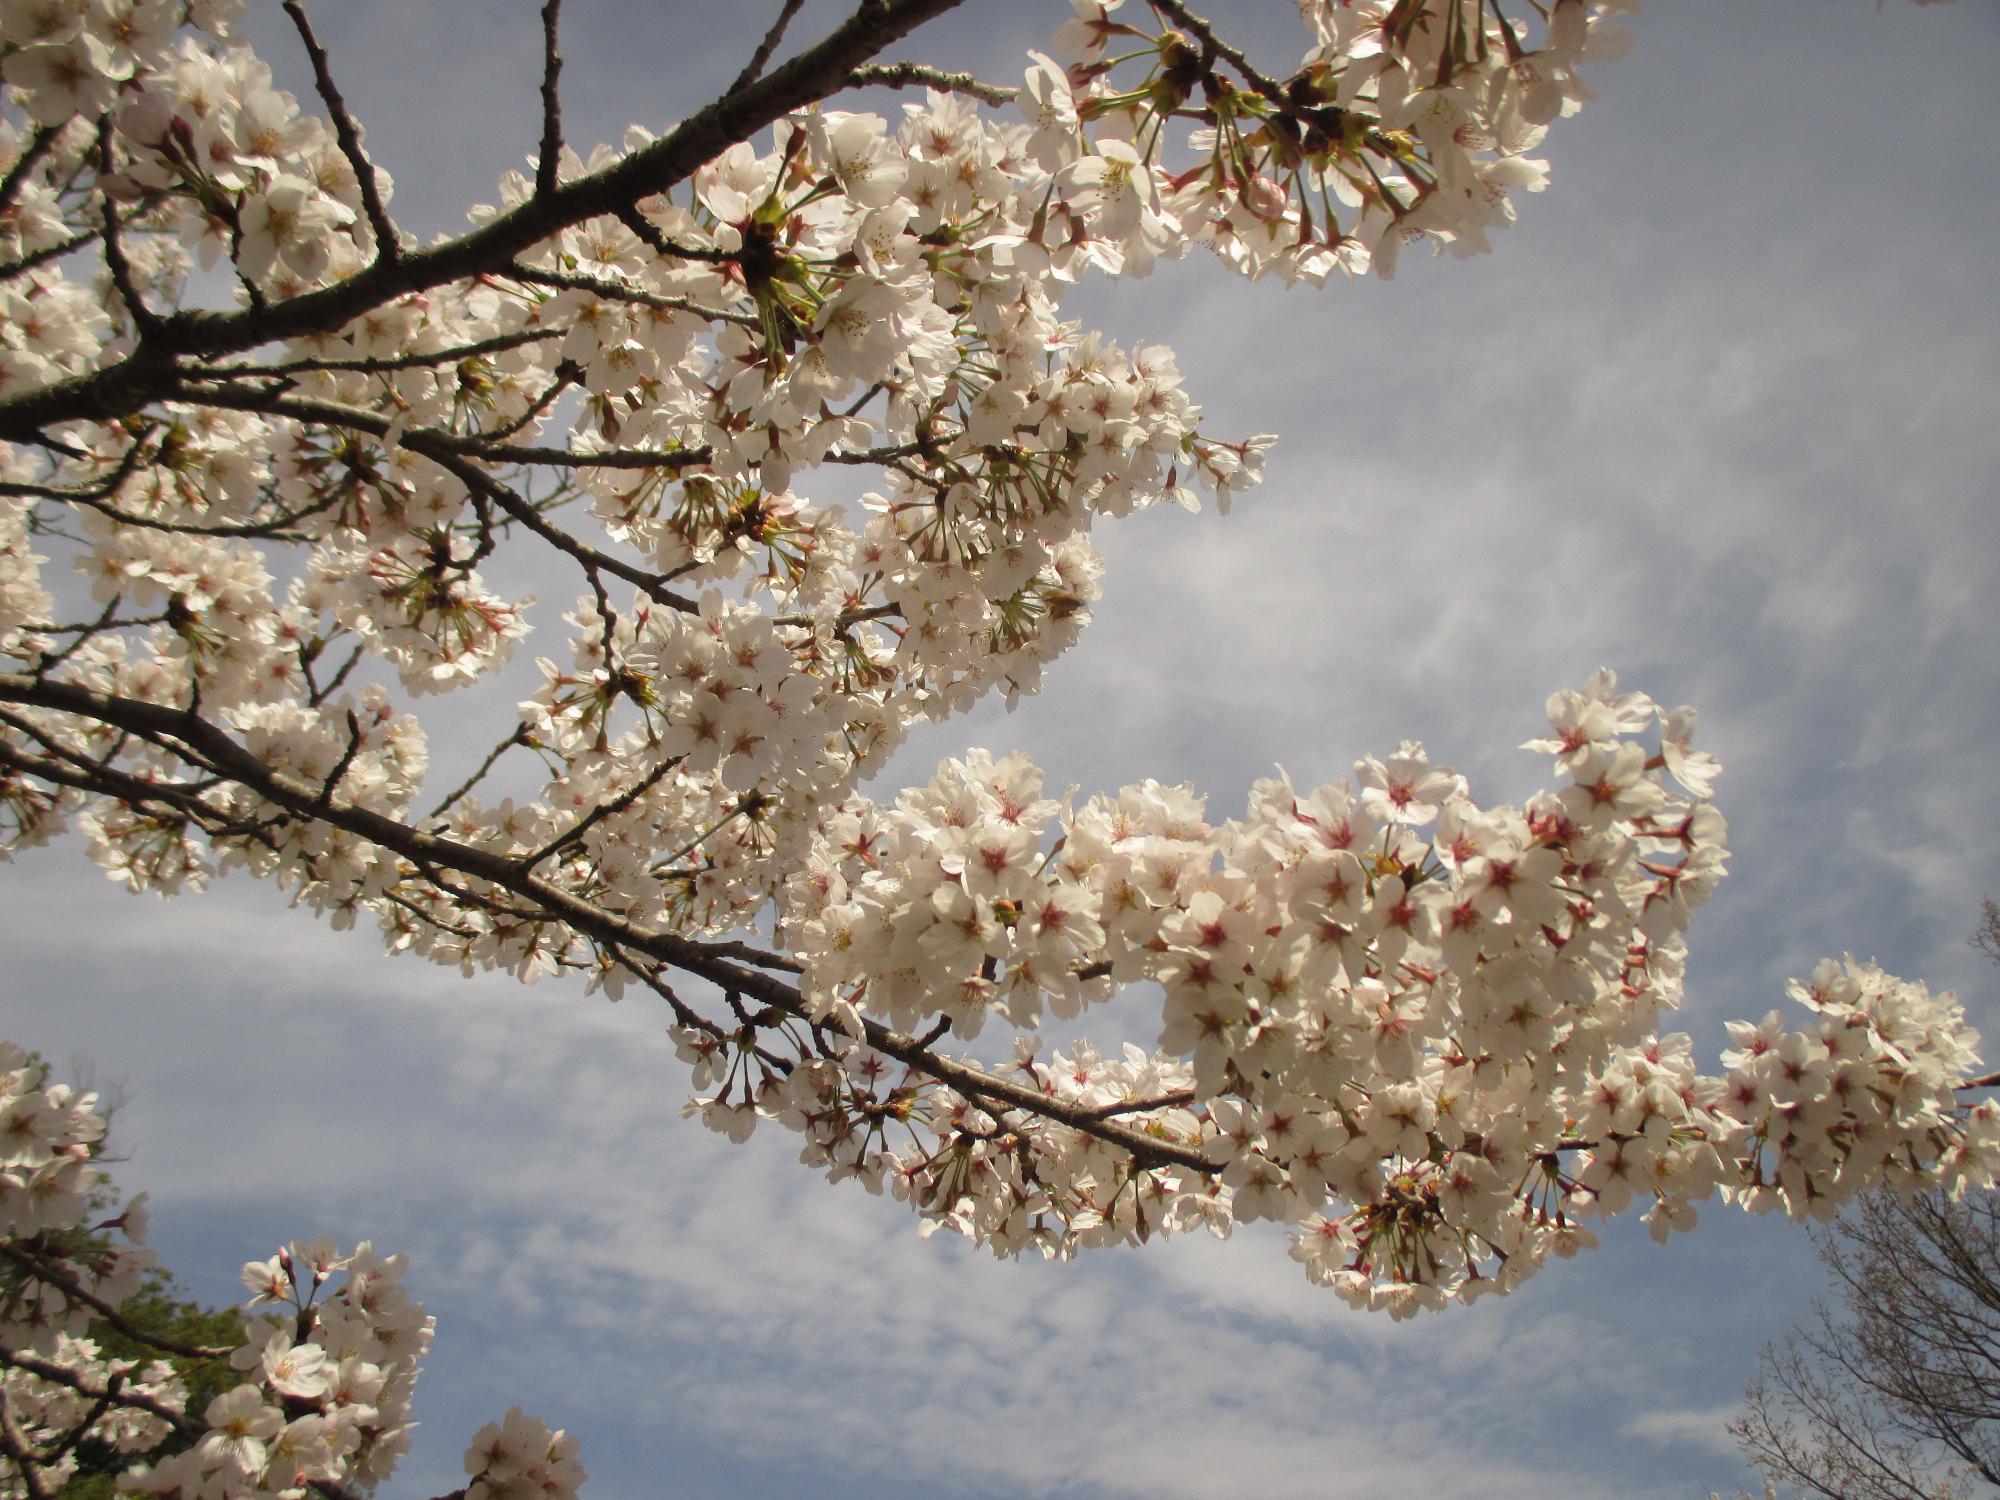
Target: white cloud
column 1699, row 1427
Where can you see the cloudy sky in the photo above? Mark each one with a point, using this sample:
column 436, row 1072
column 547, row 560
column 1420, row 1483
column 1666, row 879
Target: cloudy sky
column 1720, row 413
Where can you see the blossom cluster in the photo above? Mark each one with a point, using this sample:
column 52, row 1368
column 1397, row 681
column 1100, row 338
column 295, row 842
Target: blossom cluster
column 1424, row 1033
column 328, row 1361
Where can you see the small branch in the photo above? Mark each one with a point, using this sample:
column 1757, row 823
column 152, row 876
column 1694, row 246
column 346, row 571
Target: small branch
column 108, row 1312
column 600, row 812
column 440, row 446
column 179, row 801
column 81, row 1429
column 846, row 619
column 904, row 75
column 477, row 479
column 888, row 453
column 20, row 1453
column 1262, row 82
column 36, row 149
column 387, row 245
column 567, row 375
column 546, row 178
column 754, row 69
column 55, row 1374
column 464, row 788
column 461, row 457
column 379, row 366
column 340, row 767
column 145, row 321
column 128, row 465
column 47, row 253
column 106, row 621
column 649, row 232
column 618, row 291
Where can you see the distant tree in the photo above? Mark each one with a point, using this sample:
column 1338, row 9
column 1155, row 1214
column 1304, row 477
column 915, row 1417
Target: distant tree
column 1895, row 1393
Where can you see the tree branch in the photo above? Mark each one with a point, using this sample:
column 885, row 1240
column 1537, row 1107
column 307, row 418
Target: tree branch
column 43, row 1270
column 388, row 246
column 301, row 799
column 755, row 67
column 548, row 162
column 904, row 75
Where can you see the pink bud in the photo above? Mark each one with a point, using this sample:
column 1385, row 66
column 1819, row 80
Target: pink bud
column 1265, row 198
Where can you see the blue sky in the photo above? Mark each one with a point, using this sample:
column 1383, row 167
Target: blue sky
column 1719, row 413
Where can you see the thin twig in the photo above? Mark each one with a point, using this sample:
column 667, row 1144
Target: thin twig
column 32, row 153
column 388, row 247
column 754, row 69
column 106, row 1311
column 464, row 788
column 382, row 366
column 145, row 321
column 904, row 75
column 340, row 767
column 48, row 253
column 438, row 445
column 599, row 813
column 546, row 176
column 618, row 291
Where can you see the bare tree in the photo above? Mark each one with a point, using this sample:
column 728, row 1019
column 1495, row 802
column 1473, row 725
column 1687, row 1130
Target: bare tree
column 1894, row 1394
